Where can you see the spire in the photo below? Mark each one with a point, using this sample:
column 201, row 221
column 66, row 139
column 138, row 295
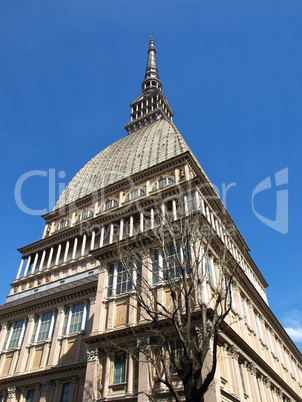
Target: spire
column 152, row 80
column 152, row 104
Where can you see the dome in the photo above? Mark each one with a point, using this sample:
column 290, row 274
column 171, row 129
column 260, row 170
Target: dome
column 146, row 147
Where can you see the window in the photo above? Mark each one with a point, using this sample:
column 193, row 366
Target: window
column 44, row 327
column 15, row 334
column 124, row 283
column 176, row 354
column 242, row 377
column 155, row 268
column 85, row 215
column 244, row 310
column 258, row 325
column 171, row 259
column 30, row 395
column 63, row 224
column 167, row 263
column 119, row 375
column 65, row 392
column 210, row 270
column 76, row 318
column 192, row 202
column 126, row 276
column 166, row 181
column 135, row 194
column 109, row 205
column 268, row 331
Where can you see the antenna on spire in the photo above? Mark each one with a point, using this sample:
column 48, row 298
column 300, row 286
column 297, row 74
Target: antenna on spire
column 152, row 80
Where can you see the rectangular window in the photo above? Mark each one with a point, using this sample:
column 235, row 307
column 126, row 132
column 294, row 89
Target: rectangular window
column 269, row 338
column 258, row 325
column 124, row 283
column 119, row 368
column 14, row 337
column 191, row 202
column 209, row 271
column 155, row 268
column 30, row 395
column 244, row 310
column 176, row 354
column 65, row 392
column 44, row 327
column 242, row 377
column 110, row 281
column 76, row 318
column 171, row 262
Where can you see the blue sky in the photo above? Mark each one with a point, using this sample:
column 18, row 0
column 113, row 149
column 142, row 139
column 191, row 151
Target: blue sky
column 232, row 72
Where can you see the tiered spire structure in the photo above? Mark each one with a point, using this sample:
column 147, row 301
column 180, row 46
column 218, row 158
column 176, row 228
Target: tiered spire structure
column 151, row 104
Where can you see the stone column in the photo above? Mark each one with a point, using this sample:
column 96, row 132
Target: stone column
column 131, row 226
column 37, row 393
column 111, row 233
column 92, row 374
column 92, row 240
column 107, row 373
column 35, row 262
column 73, row 389
column 27, row 266
column 83, row 245
column 66, row 251
column 144, row 371
column 50, row 257
column 55, row 346
column 267, row 384
column 97, row 309
column 11, row 394
column 130, row 379
column 58, row 254
column 23, row 394
column 174, row 208
column 20, row 268
column 3, row 333
column 141, row 222
column 121, row 234
column 46, row 386
column 56, row 394
column 42, row 260
column 102, row 236
column 74, row 251
column 152, row 218
column 236, row 373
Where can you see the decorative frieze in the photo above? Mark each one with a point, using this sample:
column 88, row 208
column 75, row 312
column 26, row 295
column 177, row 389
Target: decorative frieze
column 11, row 392
column 92, row 354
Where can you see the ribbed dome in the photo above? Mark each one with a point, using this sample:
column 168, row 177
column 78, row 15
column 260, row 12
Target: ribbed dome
column 146, row 147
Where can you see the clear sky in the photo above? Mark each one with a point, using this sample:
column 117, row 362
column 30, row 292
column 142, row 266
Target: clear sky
column 232, row 72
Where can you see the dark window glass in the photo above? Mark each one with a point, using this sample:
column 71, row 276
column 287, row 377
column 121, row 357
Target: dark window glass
column 65, row 392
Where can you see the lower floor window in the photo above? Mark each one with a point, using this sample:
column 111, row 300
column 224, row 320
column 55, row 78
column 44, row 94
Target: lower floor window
column 119, row 368
column 30, row 395
column 65, row 392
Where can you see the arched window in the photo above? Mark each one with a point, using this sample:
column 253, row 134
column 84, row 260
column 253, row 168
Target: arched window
column 63, row 224
column 135, row 194
column 166, row 181
column 109, row 205
column 85, row 215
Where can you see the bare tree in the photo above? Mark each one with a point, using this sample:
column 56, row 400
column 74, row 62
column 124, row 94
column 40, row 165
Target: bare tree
column 180, row 274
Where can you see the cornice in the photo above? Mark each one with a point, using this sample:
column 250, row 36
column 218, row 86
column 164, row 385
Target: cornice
column 36, row 305
column 255, row 357
column 19, row 378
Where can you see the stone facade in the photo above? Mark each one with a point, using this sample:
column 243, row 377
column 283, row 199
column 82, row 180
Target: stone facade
column 59, row 315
